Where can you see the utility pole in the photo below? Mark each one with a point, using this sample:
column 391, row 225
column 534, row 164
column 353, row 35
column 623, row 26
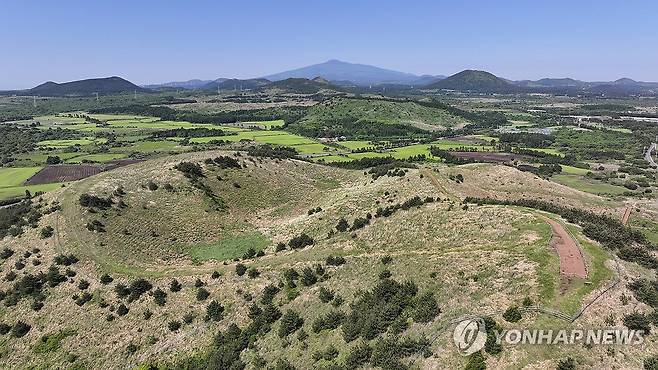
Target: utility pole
column 135, row 94
column 34, row 101
column 96, row 96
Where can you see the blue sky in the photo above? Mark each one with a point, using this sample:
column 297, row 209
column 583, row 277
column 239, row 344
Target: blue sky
column 158, row 41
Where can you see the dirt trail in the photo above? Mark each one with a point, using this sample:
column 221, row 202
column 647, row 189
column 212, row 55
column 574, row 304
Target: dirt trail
column 626, row 215
column 648, row 157
column 572, row 263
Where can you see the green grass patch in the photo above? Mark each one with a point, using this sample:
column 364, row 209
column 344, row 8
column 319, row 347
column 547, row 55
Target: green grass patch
column 356, row 144
column 452, row 144
column 101, row 157
column 647, row 227
column 19, row 191
column 52, row 342
column 11, row 177
column 588, row 185
column 570, row 170
column 233, row 246
column 71, row 142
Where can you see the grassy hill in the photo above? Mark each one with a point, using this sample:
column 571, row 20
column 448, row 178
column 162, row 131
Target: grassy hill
column 103, row 86
column 363, row 117
column 476, row 81
column 162, row 225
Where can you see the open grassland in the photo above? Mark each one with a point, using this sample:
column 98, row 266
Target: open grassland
column 101, row 157
column 478, row 260
column 588, row 185
column 19, row 191
column 380, row 111
column 71, row 142
column 10, row 177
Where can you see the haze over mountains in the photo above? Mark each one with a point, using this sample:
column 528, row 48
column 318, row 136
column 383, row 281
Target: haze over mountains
column 338, row 75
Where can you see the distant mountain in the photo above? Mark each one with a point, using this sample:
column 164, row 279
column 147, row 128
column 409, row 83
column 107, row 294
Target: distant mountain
column 336, row 70
column 476, row 81
column 235, row 84
column 103, row 86
column 190, row 84
column 301, row 85
column 551, row 83
column 427, row 79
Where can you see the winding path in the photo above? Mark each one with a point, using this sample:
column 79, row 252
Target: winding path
column 572, row 263
column 648, row 157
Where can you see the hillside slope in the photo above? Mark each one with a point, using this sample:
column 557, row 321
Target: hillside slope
column 162, row 225
column 103, row 86
column 476, row 81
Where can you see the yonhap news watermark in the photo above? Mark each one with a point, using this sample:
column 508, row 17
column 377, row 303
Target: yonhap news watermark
column 471, row 335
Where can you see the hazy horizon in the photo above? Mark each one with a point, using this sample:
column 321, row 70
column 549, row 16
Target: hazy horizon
column 148, row 43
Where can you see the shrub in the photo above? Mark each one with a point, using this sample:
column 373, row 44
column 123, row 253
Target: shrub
column 325, row 295
column 566, row 364
column 280, row 247
column 83, row 284
column 175, row 286
column 637, row 321
column 151, row 185
column 330, row 321
column 290, row 275
column 147, row 314
column 650, row 363
column 4, row 328
column 359, row 223
column 253, row 273
column 250, row 253
column 215, row 275
column 174, row 325
column 512, row 314
column 374, row 311
column 137, row 288
column 308, row 277
column 202, row 294
column 106, row 279
column 386, row 274
column 122, row 310
column 121, row 290
column 214, row 311
column 300, row 241
column 47, row 232
column 87, row 200
column 358, row 356
column 160, row 297
column 290, row 322
column 188, row 318
column 387, row 259
column 240, row 269
column 65, row 260
column 20, row 329
column 425, row 308
column 190, row 170
column 269, row 292
column 476, row 362
column 198, row 283
column 342, row 225
column 96, row 226
column 84, row 298
column 6, row 253
column 335, row 260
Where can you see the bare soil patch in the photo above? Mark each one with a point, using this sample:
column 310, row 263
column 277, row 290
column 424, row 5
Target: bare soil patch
column 572, row 263
column 73, row 172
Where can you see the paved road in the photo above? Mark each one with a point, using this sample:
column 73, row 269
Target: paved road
column 648, row 156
